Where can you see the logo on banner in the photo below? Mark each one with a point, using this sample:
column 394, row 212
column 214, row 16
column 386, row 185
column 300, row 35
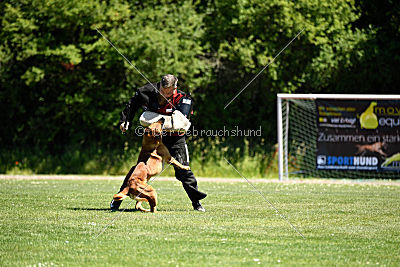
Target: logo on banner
column 321, row 160
column 347, row 162
column 368, row 119
column 393, row 162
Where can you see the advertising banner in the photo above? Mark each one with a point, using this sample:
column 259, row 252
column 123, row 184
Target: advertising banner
column 358, row 135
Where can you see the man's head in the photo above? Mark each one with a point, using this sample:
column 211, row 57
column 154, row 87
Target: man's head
column 168, row 84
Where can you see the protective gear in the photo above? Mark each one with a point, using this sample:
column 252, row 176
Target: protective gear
column 185, row 106
column 176, row 122
column 180, row 121
column 147, row 97
column 149, row 117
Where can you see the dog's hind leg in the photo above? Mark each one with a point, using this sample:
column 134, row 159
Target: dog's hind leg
column 153, row 200
column 139, row 206
column 147, row 194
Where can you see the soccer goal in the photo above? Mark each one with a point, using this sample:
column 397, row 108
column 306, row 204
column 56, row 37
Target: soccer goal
column 338, row 136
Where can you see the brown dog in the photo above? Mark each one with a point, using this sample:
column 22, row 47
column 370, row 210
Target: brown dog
column 152, row 141
column 137, row 187
column 153, row 152
column 377, row 147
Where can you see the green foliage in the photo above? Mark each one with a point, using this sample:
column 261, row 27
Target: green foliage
column 97, row 160
column 376, row 59
column 67, row 84
column 63, row 86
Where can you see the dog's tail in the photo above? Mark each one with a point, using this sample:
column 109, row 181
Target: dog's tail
column 139, row 206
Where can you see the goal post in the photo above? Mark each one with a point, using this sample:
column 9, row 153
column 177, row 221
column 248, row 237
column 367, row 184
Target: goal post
column 338, row 136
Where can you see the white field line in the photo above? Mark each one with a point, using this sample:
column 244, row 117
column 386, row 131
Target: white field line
column 206, row 179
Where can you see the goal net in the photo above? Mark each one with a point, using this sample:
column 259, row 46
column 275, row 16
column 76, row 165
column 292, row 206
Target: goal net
column 338, row 136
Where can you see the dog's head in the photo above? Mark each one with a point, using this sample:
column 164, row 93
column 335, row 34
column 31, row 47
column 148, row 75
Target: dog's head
column 384, row 145
column 155, row 129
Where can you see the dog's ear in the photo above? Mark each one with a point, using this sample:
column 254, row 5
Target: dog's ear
column 161, row 120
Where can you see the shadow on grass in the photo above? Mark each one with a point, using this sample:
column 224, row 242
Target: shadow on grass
column 100, row 209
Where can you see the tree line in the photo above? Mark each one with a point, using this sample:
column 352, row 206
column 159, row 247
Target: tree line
column 63, row 86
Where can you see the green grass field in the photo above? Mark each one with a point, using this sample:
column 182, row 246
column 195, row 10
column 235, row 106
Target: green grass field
column 56, row 222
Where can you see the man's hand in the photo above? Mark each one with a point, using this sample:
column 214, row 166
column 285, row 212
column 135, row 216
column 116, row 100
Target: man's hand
column 124, row 126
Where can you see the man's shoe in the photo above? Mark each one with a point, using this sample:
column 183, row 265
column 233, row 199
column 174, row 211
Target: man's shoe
column 197, row 206
column 114, row 205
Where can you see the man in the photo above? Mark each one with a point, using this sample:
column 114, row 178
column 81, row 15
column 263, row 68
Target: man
column 164, row 98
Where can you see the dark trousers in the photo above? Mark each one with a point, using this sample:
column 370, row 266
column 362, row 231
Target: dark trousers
column 178, row 149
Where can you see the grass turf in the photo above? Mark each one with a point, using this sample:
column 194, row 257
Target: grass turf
column 56, row 222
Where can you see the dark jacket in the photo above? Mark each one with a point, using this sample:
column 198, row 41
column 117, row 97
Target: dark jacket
column 146, row 97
